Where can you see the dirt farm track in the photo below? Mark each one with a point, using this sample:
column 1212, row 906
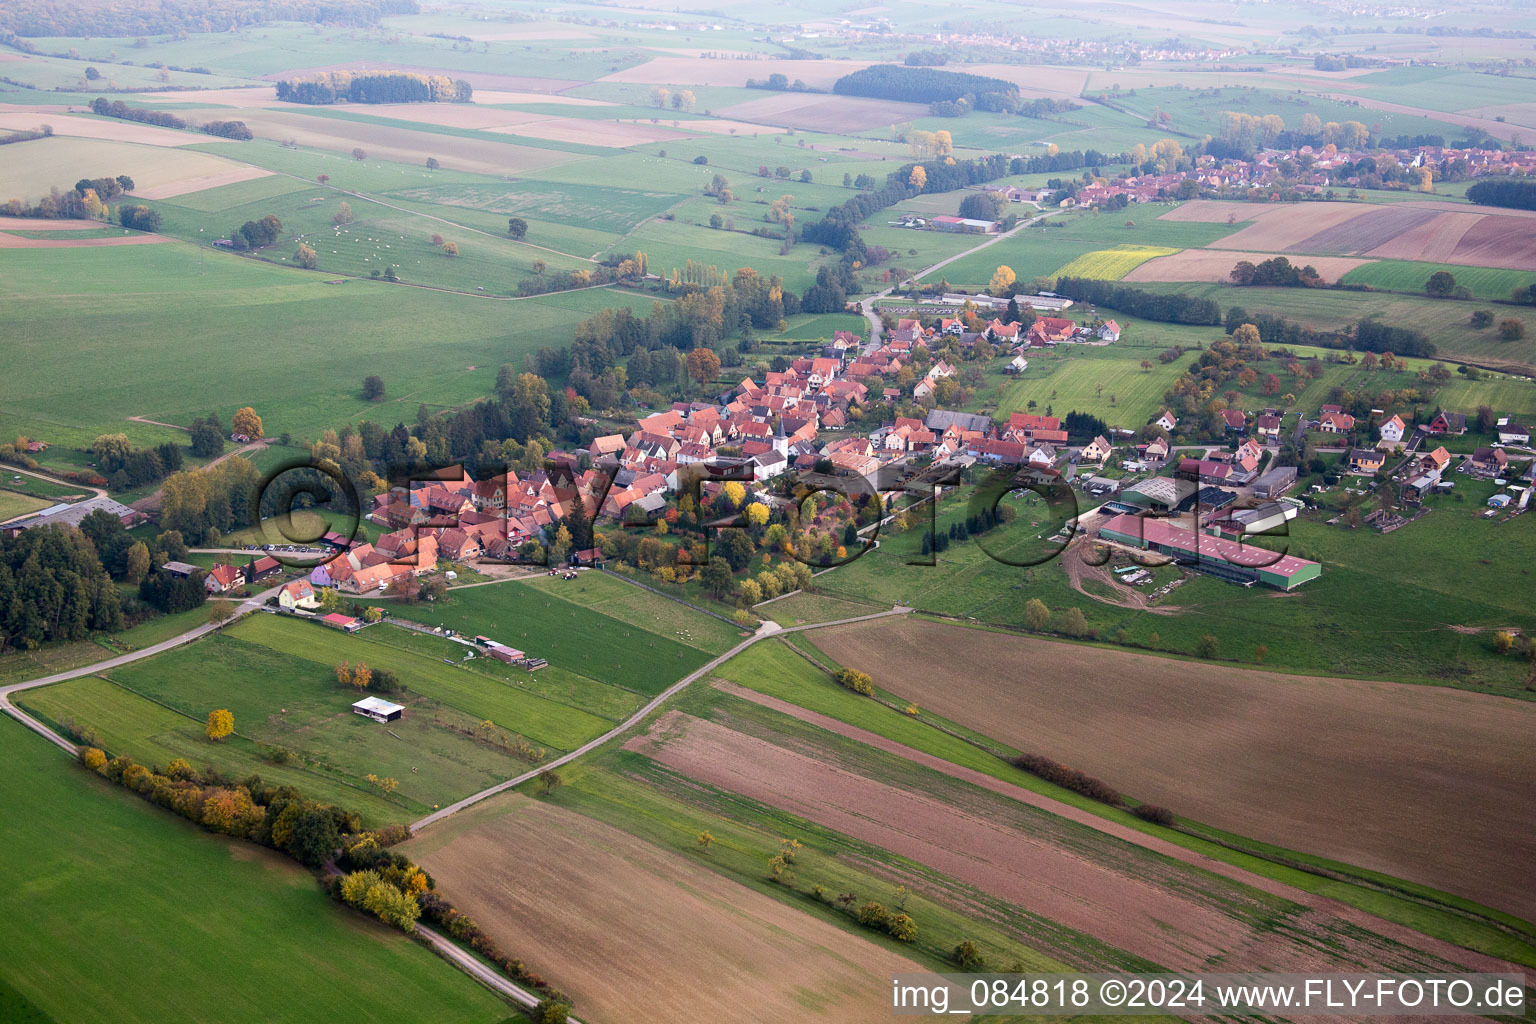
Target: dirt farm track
column 1426, row 783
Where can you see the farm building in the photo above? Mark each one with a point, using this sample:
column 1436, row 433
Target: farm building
column 72, row 515
column 181, row 570
column 1214, row 498
column 963, row 224
column 1218, row 556
column 378, row 710
column 1161, row 494
column 1275, row 482
column 1514, row 433
column 345, row 623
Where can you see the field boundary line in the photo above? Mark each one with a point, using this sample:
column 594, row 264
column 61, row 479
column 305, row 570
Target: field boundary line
column 767, row 629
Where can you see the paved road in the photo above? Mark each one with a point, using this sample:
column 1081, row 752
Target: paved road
column 488, row 977
column 767, row 629
column 867, row 306
column 96, row 492
column 244, row 608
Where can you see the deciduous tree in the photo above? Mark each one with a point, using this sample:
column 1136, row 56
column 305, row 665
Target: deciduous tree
column 220, row 724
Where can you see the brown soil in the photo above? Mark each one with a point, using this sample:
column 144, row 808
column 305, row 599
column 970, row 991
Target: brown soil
column 637, row 933
column 1333, row 908
column 1152, row 907
column 1433, row 242
column 189, row 185
column 820, row 112
column 17, row 242
column 1216, row 265
column 1285, row 224
column 1415, row 781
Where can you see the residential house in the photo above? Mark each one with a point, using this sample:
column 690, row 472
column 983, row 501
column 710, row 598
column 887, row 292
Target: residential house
column 1096, row 451
column 1109, row 330
column 298, row 594
column 1267, row 426
column 1514, row 433
column 1391, row 430
column 1051, row 330
column 1237, row 420
column 1488, row 461
column 1017, row 365
column 223, row 577
column 1168, row 421
column 1366, row 461
column 1334, row 421
column 1448, row 423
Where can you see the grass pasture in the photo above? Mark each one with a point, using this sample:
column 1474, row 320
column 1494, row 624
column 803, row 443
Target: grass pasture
column 147, row 873
column 536, row 619
column 1409, row 276
column 14, row 504
column 1106, row 381
column 89, row 358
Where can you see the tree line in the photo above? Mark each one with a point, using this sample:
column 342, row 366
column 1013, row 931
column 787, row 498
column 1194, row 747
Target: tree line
column 838, row 228
column 919, row 84
column 1510, row 192
column 157, row 17
column 375, row 87
column 53, row 587
column 1171, row 307
column 102, row 107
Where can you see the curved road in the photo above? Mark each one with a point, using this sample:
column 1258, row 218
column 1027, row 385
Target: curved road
column 245, row 607
column 767, row 629
column 867, row 305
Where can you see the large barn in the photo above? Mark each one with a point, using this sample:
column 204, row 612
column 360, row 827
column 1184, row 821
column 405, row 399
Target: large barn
column 1227, row 559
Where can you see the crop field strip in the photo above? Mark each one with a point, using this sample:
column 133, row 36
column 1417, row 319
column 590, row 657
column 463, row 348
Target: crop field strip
column 1203, row 775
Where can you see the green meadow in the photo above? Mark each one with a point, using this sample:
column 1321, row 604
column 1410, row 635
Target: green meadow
column 102, row 861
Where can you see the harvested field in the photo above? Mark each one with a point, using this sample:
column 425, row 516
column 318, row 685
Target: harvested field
column 383, row 142
column 818, row 74
column 254, row 96
column 448, row 115
column 30, row 169
column 823, row 113
column 43, row 224
column 1285, row 225
column 1367, row 231
column 1153, row 907
column 570, row 895
column 207, row 181
column 1415, row 781
column 1215, row 265
column 591, row 132
column 717, row 126
column 101, row 128
column 484, row 97
column 1433, row 240
column 478, row 79
column 8, row 241
column 1497, row 241
column 1215, row 211
column 1134, row 836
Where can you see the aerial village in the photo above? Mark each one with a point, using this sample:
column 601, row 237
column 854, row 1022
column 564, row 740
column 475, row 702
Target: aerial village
column 1201, row 503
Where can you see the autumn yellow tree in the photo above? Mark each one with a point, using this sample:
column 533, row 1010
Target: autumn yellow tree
column 220, row 724
column 1002, row 281
column 246, row 422
column 138, row 562
column 756, row 513
column 919, row 178
column 305, row 258
column 450, row 249
column 703, row 365
column 734, row 493
column 362, row 675
column 344, row 673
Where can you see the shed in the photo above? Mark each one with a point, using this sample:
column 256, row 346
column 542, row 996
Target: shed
column 378, row 710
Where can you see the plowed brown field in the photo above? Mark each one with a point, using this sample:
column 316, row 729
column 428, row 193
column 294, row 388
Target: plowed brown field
column 1426, row 783
column 636, row 933
column 1216, row 265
